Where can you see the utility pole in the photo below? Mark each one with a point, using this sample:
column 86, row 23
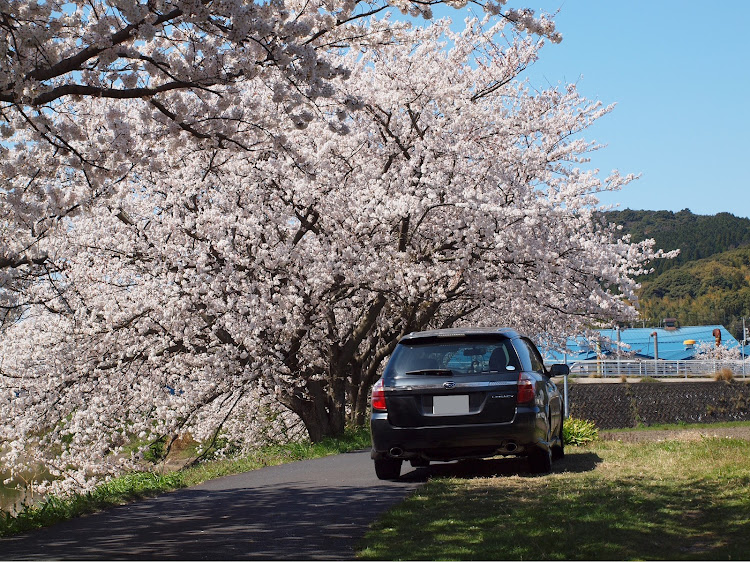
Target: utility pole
column 744, row 343
column 566, row 409
column 619, row 342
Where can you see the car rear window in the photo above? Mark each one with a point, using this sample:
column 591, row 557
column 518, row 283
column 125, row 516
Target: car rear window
column 464, row 357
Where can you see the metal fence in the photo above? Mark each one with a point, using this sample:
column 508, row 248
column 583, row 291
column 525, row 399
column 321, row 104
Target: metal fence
column 657, row 368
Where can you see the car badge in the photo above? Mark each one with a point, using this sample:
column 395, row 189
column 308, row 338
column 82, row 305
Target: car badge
column 449, row 384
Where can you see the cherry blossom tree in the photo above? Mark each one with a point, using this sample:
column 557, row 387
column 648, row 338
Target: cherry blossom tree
column 225, row 290
column 717, row 352
column 184, row 64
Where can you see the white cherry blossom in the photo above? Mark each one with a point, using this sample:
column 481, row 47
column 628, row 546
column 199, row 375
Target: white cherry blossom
column 235, row 290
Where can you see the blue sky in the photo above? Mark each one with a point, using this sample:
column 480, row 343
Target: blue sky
column 679, row 72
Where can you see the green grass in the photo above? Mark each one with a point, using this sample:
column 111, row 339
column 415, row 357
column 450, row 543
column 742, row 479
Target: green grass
column 139, row 485
column 681, row 425
column 678, row 500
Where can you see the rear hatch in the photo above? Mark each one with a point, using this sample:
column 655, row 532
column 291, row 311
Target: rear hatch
column 447, row 382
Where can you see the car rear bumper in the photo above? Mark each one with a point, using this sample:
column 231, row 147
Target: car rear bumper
column 459, row 441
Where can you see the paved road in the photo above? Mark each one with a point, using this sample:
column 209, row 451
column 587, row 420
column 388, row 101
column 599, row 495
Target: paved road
column 309, row 510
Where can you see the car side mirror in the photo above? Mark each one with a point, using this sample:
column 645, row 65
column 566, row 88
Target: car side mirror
column 558, row 369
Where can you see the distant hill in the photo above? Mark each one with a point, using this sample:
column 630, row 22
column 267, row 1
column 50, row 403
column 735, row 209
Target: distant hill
column 697, row 236
column 709, row 282
column 714, row 290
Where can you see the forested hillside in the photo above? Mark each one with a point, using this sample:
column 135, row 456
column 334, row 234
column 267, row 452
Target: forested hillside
column 713, row 290
column 709, row 283
column 697, row 236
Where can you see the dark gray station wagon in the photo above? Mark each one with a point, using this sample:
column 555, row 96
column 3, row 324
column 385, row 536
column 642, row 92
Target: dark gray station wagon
column 465, row 393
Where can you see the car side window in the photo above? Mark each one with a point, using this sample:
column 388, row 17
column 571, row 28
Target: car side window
column 537, row 363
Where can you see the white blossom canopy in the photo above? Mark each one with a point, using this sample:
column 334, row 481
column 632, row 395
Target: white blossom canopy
column 219, row 282
column 185, row 65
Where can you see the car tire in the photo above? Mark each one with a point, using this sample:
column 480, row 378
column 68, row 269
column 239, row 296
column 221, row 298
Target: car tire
column 558, row 451
column 387, row 468
column 540, row 460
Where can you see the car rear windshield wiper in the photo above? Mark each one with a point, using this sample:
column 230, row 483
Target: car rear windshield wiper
column 435, row 372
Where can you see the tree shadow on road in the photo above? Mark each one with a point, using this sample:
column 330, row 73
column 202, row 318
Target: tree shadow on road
column 283, row 521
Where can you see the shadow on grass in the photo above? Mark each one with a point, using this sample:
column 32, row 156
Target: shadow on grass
column 507, row 466
column 619, row 519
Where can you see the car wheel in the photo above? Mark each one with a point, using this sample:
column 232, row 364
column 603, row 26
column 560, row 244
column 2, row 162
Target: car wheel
column 540, row 460
column 558, row 451
column 387, row 468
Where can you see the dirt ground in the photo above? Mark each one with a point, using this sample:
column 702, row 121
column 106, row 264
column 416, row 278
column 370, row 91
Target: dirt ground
column 687, row 434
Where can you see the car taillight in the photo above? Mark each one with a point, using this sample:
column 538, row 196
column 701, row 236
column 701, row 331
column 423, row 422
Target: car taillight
column 525, row 388
column 378, row 396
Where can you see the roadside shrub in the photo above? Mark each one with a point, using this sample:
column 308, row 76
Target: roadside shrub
column 724, row 375
column 579, row 432
column 649, row 380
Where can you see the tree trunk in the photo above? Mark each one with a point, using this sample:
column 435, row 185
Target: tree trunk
column 353, row 369
column 360, row 405
column 322, row 409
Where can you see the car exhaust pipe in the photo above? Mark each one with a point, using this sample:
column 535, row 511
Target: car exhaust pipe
column 510, row 446
column 396, row 452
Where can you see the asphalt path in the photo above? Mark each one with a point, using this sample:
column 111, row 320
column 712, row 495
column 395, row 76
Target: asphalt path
column 309, row 510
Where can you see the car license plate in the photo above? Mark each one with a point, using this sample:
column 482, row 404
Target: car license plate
column 447, row 405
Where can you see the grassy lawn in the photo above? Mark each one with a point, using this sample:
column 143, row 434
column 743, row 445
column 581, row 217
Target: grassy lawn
column 714, row 426
column 607, row 501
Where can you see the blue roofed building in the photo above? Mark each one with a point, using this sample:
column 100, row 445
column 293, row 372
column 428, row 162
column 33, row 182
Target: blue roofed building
column 671, row 343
